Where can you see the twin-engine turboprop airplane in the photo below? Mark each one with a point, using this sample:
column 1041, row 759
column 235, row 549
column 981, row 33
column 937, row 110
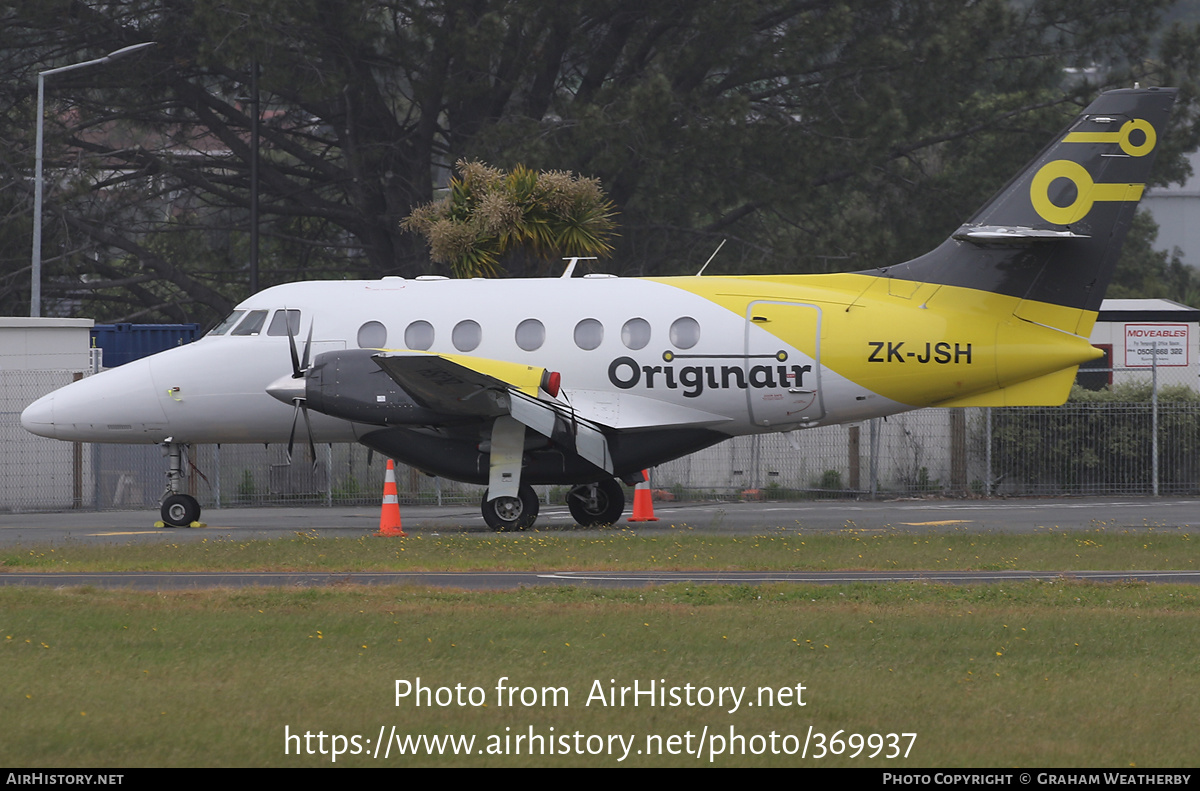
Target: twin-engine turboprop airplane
column 587, row 381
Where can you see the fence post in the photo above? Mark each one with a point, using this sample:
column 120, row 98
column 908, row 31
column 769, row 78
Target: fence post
column 755, row 461
column 217, row 475
column 855, row 462
column 329, row 475
column 874, row 457
column 988, row 453
column 958, row 451
column 1154, row 417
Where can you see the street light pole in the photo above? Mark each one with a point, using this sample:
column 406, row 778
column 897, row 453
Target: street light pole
column 35, row 291
column 254, row 178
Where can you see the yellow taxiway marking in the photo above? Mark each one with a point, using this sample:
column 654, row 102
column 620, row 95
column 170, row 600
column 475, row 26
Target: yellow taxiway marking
column 942, row 522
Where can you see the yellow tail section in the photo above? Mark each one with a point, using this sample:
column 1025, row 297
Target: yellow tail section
column 1049, row 390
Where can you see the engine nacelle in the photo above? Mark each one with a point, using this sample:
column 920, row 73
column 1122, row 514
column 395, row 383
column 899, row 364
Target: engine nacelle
column 351, row 386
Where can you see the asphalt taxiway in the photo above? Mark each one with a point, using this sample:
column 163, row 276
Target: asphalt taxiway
column 917, row 515
column 509, row 580
column 716, row 518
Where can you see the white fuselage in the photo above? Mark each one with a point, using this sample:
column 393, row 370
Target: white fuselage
column 632, row 352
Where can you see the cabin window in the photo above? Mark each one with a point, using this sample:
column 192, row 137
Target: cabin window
column 466, row 335
column 588, row 334
column 282, row 321
column 531, row 334
column 229, row 321
column 372, row 335
column 635, row 334
column 685, row 332
column 419, row 336
column 252, row 324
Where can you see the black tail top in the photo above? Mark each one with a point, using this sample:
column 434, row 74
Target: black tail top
column 1054, row 233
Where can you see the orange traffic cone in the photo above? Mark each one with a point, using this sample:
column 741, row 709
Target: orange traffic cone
column 389, row 517
column 643, row 501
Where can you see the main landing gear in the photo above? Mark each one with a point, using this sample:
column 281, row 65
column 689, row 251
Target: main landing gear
column 511, row 513
column 178, row 510
column 595, row 504
column 591, row 505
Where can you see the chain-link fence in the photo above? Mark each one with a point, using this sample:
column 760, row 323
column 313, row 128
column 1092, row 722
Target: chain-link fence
column 1149, row 444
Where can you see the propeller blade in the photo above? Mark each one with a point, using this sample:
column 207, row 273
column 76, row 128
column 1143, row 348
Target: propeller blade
column 292, row 436
column 307, row 347
column 312, row 447
column 297, row 372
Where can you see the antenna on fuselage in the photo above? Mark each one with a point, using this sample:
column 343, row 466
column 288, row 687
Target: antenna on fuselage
column 711, row 257
column 571, row 262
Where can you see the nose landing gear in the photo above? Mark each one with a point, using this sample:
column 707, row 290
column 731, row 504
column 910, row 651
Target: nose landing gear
column 178, row 509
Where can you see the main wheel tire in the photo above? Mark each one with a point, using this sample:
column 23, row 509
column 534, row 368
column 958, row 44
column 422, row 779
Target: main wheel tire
column 180, row 510
column 511, row 513
column 595, row 504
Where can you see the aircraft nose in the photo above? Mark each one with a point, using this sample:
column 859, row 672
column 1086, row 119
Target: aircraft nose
column 38, row 417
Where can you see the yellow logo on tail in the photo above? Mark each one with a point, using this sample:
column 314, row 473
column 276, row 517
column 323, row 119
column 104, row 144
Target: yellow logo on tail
column 1121, row 138
column 1087, row 191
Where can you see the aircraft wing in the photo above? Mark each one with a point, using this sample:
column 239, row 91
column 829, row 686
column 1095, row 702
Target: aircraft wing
column 460, row 385
column 475, row 386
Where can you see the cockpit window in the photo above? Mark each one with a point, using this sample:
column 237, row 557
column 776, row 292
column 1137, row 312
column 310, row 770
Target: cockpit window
column 281, row 321
column 229, row 321
column 252, row 324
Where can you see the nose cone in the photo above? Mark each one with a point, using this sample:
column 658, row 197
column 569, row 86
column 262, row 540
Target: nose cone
column 287, row 389
column 121, row 405
column 38, row 417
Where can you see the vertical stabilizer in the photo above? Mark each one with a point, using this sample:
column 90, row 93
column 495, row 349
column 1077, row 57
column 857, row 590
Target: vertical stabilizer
column 1052, row 236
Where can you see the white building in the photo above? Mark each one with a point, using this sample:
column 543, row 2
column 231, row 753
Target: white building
column 38, row 355
column 1175, row 209
column 1134, row 333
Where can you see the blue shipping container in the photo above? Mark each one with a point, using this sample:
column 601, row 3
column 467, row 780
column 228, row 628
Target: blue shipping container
column 124, row 343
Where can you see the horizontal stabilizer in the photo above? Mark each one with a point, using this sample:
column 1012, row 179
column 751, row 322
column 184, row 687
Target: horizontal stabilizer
column 996, row 234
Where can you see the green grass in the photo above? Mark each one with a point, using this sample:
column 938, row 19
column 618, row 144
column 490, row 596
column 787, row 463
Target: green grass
column 1023, row 674
column 1032, row 674
column 1099, row 548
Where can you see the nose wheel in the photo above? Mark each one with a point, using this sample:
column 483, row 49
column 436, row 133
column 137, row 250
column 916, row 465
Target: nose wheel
column 180, row 510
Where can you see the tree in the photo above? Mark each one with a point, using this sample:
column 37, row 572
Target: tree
column 489, row 215
column 813, row 134
column 1146, row 273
